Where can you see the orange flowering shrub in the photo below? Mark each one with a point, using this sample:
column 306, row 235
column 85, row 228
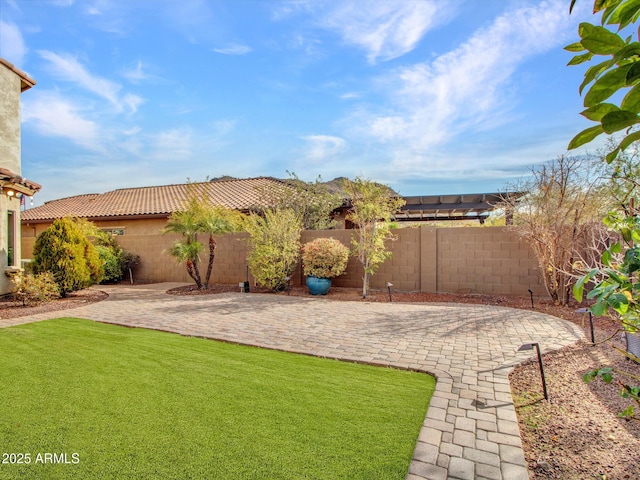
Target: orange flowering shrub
column 324, row 258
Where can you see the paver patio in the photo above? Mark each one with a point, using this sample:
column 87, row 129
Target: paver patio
column 471, row 429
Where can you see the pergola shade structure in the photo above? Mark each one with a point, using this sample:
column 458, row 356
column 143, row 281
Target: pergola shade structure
column 475, row 206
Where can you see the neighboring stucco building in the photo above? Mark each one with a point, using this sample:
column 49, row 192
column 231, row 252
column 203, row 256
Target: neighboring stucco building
column 12, row 186
column 145, row 210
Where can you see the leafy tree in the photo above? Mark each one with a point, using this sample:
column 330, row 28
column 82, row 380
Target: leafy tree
column 624, row 180
column 214, row 221
column 65, row 251
column 372, row 209
column 275, row 246
column 617, row 283
column 566, row 198
column 199, row 216
column 187, row 223
column 619, row 71
column 312, row 201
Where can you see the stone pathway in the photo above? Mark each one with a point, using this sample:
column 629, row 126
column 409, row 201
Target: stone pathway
column 471, row 429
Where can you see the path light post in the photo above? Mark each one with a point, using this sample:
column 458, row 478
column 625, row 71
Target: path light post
column 529, row 346
column 531, row 293
column 389, row 285
column 585, row 310
column 288, row 279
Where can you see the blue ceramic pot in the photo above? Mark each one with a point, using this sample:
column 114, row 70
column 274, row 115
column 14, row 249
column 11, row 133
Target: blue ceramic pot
column 318, row 286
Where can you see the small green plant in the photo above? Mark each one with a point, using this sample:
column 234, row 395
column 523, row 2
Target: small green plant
column 112, row 268
column 324, row 258
column 275, row 246
column 33, row 289
column 626, row 391
column 128, row 260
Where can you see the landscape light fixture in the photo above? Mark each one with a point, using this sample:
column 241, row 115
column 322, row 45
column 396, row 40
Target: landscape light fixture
column 585, row 310
column 389, row 285
column 531, row 293
column 529, row 346
column 288, row 279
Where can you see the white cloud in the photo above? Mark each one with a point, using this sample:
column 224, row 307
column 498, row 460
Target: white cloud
column 98, row 7
column 462, row 90
column 68, row 68
column 233, row 49
column 386, row 29
column 136, row 74
column 283, row 10
column 52, row 115
column 132, row 131
column 132, row 101
column 321, row 147
column 14, row 5
column 12, row 46
column 174, row 145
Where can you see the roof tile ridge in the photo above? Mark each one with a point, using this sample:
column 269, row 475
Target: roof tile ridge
column 72, row 196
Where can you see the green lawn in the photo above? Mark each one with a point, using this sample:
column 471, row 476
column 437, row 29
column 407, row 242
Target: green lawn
column 134, row 403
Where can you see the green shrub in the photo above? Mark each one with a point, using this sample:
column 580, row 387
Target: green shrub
column 275, row 246
column 111, row 261
column 64, row 250
column 116, row 259
column 324, row 258
column 128, row 260
column 32, row 289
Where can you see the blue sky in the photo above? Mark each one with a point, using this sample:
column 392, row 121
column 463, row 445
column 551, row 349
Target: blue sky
column 428, row 96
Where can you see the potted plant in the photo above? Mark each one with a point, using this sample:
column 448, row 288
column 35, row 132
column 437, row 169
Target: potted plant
column 323, row 259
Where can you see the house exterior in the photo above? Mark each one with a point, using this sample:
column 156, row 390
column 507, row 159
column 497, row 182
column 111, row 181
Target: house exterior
column 12, row 185
column 138, row 216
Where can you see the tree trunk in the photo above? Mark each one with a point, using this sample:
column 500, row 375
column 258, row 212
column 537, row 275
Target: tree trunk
column 365, row 284
column 194, row 272
column 212, row 255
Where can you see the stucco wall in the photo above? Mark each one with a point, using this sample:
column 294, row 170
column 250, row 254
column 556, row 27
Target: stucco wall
column 9, row 120
column 10, row 160
column 145, row 226
column 477, row 260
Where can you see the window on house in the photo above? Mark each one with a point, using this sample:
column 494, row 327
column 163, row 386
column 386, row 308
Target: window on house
column 113, row 231
column 11, row 238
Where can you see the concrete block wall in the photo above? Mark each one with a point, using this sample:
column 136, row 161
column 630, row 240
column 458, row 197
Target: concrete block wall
column 490, row 260
column 403, row 270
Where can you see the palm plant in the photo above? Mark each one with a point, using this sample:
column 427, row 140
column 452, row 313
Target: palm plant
column 189, row 253
column 199, row 216
column 186, row 223
column 216, row 221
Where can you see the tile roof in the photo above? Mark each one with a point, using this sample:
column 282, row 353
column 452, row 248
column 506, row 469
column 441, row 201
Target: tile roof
column 14, row 181
column 26, row 82
column 239, row 194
